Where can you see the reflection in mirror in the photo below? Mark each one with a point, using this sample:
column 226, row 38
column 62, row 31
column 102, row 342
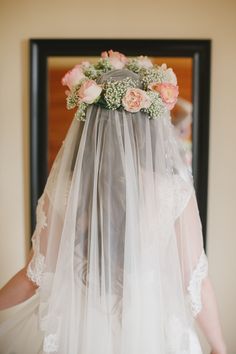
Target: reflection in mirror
column 59, row 118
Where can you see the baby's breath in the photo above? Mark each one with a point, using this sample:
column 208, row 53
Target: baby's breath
column 150, row 75
column 133, row 65
column 163, row 74
column 91, row 73
column 157, row 107
column 115, row 90
column 80, row 114
column 96, row 70
column 103, row 65
column 71, row 100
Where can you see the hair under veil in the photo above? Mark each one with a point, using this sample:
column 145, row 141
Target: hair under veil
column 118, row 240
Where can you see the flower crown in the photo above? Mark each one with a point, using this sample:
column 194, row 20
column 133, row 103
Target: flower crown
column 158, row 92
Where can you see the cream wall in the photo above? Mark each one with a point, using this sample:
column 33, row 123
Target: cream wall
column 24, row 19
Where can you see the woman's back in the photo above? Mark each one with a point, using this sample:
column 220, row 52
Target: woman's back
column 117, row 251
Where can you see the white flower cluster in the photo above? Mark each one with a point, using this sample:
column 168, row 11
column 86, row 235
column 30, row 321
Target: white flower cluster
column 96, row 70
column 157, row 107
column 115, row 90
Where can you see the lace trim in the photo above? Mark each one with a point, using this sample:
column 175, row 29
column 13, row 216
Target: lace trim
column 36, row 265
column 50, row 344
column 41, row 216
column 195, row 283
column 35, row 268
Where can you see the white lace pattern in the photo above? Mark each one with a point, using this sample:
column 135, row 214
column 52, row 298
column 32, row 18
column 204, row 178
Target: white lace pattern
column 36, row 265
column 194, row 288
column 35, row 268
column 50, row 344
column 41, row 216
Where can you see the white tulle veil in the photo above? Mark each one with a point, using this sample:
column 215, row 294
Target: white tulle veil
column 118, row 252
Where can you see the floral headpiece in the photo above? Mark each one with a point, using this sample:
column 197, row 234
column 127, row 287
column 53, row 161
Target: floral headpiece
column 158, row 94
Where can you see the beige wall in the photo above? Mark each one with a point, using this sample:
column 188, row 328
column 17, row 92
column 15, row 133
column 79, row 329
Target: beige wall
column 24, row 19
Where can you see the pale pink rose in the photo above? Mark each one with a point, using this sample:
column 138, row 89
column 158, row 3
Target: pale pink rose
column 104, row 54
column 144, row 62
column 135, row 99
column 72, row 77
column 168, row 92
column 89, row 91
column 117, row 60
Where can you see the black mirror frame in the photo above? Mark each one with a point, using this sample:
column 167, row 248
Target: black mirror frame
column 198, row 49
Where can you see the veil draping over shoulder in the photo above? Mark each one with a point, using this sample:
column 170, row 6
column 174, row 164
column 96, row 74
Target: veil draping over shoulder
column 118, row 250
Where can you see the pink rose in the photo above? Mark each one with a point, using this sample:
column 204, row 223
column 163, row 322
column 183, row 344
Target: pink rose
column 168, row 92
column 116, row 59
column 135, row 99
column 72, row 77
column 89, row 91
column 144, row 62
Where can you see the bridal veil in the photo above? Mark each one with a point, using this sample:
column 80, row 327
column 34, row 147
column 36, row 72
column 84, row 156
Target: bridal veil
column 117, row 250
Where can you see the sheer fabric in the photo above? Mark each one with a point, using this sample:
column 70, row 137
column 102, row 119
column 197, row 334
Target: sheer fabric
column 118, row 251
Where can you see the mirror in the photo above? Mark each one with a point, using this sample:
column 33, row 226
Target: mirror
column 50, row 59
